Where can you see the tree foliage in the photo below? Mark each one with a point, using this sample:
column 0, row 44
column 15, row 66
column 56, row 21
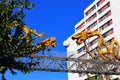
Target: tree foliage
column 12, row 11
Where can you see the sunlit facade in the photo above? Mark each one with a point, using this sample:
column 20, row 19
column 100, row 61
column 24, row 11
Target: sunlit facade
column 102, row 16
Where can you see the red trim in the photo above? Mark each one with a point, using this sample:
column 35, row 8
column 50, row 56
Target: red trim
column 80, row 26
column 89, row 11
column 102, row 1
column 110, row 22
column 104, row 8
column 111, row 31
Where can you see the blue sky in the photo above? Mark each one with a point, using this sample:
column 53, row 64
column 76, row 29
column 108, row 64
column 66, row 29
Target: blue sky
column 55, row 18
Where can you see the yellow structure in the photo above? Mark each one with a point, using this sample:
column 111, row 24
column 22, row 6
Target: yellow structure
column 46, row 44
column 111, row 51
column 27, row 31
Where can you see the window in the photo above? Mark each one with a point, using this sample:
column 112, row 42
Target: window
column 104, row 16
column 94, row 15
column 105, row 25
column 100, row 2
column 92, row 25
column 79, row 27
column 94, row 51
column 93, row 8
column 88, row 28
column 93, row 42
column 91, row 18
column 100, row 11
column 104, row 8
column 90, row 10
column 108, row 33
column 81, row 49
column 109, row 42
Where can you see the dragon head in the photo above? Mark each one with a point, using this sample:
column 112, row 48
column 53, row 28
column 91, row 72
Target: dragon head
column 53, row 43
column 82, row 36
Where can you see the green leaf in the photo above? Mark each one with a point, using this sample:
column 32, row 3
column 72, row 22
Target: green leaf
column 2, row 68
column 1, row 38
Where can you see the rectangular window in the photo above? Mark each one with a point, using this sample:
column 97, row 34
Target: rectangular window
column 81, row 49
column 104, row 16
column 92, row 25
column 109, row 42
column 90, row 10
column 80, row 26
column 104, row 8
column 100, row 2
column 108, row 33
column 105, row 25
column 88, row 28
column 110, row 22
column 93, row 42
column 93, row 8
column 91, row 18
column 94, row 50
column 100, row 11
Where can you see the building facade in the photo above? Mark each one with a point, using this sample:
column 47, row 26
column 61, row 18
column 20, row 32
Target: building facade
column 102, row 16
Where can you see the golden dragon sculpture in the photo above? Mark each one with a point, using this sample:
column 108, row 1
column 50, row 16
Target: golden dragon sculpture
column 45, row 44
column 111, row 51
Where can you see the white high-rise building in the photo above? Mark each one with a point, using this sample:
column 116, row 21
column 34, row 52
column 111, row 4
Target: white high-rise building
column 102, row 16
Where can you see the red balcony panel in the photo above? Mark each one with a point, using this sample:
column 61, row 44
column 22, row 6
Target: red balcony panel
column 90, row 19
column 109, row 13
column 104, row 8
column 89, row 11
column 110, row 22
column 111, row 31
column 87, row 29
column 102, row 1
column 99, row 21
column 80, row 26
